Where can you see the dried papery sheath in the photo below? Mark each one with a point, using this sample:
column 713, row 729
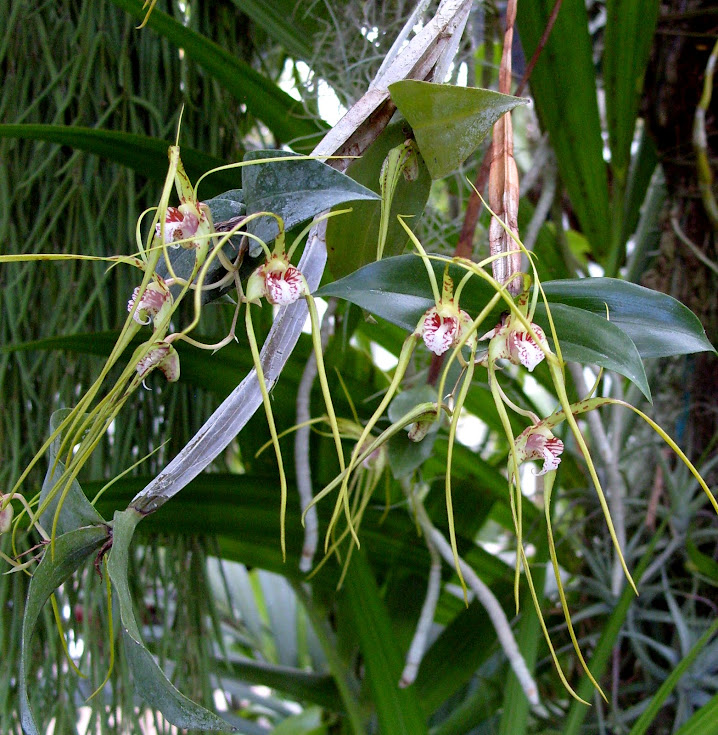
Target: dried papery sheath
column 6, row 518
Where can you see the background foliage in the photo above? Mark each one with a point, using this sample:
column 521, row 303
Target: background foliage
column 216, row 604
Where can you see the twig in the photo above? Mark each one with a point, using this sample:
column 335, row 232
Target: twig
column 418, row 642
column 486, row 598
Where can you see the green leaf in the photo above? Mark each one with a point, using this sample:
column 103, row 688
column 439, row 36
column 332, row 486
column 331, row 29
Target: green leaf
column 659, row 325
column 700, row 562
column 703, row 722
column 610, row 634
column 630, row 25
column 352, row 238
column 397, row 710
column 590, row 339
column 76, row 508
column 397, row 289
column 150, row 681
column 71, row 549
column 651, row 712
column 449, row 122
column 147, row 156
column 294, row 190
column 308, row 722
column 284, row 22
column 297, row 684
column 282, row 114
column 405, row 455
column 563, row 83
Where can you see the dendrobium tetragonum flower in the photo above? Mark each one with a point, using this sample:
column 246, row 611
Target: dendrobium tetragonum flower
column 282, row 284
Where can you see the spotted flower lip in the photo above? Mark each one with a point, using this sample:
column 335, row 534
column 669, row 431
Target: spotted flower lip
column 442, row 327
column 180, row 223
column 538, row 443
column 511, row 341
column 278, row 281
column 154, row 298
column 162, row 355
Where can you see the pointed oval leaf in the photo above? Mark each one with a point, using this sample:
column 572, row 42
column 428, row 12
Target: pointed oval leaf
column 449, row 122
column 150, row 681
column 294, row 190
column 352, row 238
column 71, row 549
column 658, row 324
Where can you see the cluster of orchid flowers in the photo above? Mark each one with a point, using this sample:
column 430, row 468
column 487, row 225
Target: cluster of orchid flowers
column 516, row 339
column 444, row 328
column 153, row 304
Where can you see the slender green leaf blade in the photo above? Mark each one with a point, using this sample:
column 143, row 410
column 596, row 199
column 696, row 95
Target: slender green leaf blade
column 147, row 156
column 76, row 508
column 71, row 549
column 449, row 122
column 150, row 681
column 284, row 22
column 397, row 710
column 282, row 114
column 703, row 722
column 563, row 83
column 630, row 25
column 649, row 714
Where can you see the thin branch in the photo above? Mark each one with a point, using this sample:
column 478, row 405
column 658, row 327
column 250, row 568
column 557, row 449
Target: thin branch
column 486, row 597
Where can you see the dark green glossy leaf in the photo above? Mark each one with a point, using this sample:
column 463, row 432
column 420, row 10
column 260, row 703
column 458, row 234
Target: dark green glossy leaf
column 294, row 190
column 563, row 83
column 150, row 681
column 71, row 549
column 449, row 122
column 659, row 325
column 398, row 711
column 298, row 684
column 147, row 156
column 352, row 238
column 76, row 509
column 592, row 340
column 282, row 114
